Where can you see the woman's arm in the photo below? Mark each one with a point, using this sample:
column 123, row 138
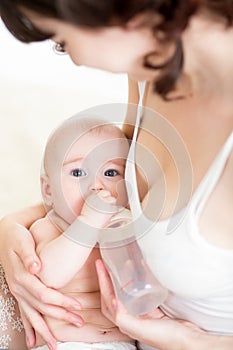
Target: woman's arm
column 18, row 257
column 155, row 329
column 27, row 216
column 16, row 241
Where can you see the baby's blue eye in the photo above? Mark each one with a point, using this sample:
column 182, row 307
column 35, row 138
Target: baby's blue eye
column 111, row 172
column 78, row 173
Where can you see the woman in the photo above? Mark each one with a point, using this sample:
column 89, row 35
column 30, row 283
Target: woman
column 192, row 68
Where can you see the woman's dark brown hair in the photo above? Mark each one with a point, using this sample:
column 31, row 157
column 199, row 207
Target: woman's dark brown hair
column 175, row 16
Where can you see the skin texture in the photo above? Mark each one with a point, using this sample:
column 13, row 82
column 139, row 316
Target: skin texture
column 134, row 41
column 204, row 114
column 85, row 187
column 158, row 330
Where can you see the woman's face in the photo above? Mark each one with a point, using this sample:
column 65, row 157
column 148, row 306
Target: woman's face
column 115, row 49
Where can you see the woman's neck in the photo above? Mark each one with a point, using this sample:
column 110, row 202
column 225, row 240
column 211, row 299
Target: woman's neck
column 208, row 50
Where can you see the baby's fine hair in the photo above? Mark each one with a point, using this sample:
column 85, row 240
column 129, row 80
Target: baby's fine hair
column 63, row 137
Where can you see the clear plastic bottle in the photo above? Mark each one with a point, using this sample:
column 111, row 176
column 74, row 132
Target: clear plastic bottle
column 134, row 283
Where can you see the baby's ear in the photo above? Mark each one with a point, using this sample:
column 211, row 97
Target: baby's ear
column 46, row 190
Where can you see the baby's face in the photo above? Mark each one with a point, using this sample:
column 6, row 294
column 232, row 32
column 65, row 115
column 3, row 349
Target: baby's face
column 96, row 161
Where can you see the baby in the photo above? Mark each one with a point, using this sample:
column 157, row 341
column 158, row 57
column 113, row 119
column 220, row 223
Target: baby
column 83, row 187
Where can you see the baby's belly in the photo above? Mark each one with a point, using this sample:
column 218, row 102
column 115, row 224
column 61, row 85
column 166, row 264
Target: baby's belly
column 90, row 332
column 96, row 328
column 100, row 330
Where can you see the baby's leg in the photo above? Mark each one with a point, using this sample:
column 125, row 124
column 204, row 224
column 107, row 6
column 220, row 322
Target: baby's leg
column 12, row 334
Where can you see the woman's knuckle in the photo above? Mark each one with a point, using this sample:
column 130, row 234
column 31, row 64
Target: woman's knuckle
column 17, row 279
column 43, row 296
column 40, row 308
column 14, row 288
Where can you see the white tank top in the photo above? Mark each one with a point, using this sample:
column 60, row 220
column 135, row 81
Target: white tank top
column 198, row 275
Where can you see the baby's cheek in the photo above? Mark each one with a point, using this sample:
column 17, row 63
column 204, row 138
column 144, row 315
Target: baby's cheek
column 121, row 194
column 78, row 205
column 75, row 202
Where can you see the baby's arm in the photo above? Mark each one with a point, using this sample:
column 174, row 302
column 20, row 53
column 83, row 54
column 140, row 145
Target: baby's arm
column 63, row 255
column 60, row 256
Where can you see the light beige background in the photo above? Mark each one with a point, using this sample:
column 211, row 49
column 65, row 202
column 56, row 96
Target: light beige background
column 37, row 91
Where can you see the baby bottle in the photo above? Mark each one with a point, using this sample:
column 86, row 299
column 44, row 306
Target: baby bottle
column 134, row 284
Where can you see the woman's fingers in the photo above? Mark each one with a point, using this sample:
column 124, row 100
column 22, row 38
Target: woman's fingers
column 107, row 291
column 54, row 309
column 43, row 295
column 30, row 288
column 61, row 314
column 29, row 331
column 109, row 304
column 157, row 313
column 153, row 329
column 111, row 307
column 19, row 242
column 46, row 300
column 25, row 250
column 33, row 320
column 105, row 282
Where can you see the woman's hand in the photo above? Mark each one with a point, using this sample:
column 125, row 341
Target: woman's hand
column 155, row 329
column 18, row 257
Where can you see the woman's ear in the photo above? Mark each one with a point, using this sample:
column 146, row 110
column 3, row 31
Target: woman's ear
column 46, row 190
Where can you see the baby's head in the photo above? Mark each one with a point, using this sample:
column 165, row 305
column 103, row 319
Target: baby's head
column 82, row 155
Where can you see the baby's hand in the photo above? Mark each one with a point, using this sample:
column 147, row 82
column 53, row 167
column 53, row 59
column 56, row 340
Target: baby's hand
column 98, row 209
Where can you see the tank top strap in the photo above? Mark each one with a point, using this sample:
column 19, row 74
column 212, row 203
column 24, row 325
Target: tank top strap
column 212, row 176
column 131, row 179
column 141, row 89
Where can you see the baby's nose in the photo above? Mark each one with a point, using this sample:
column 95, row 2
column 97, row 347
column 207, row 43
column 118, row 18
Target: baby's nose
column 97, row 185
